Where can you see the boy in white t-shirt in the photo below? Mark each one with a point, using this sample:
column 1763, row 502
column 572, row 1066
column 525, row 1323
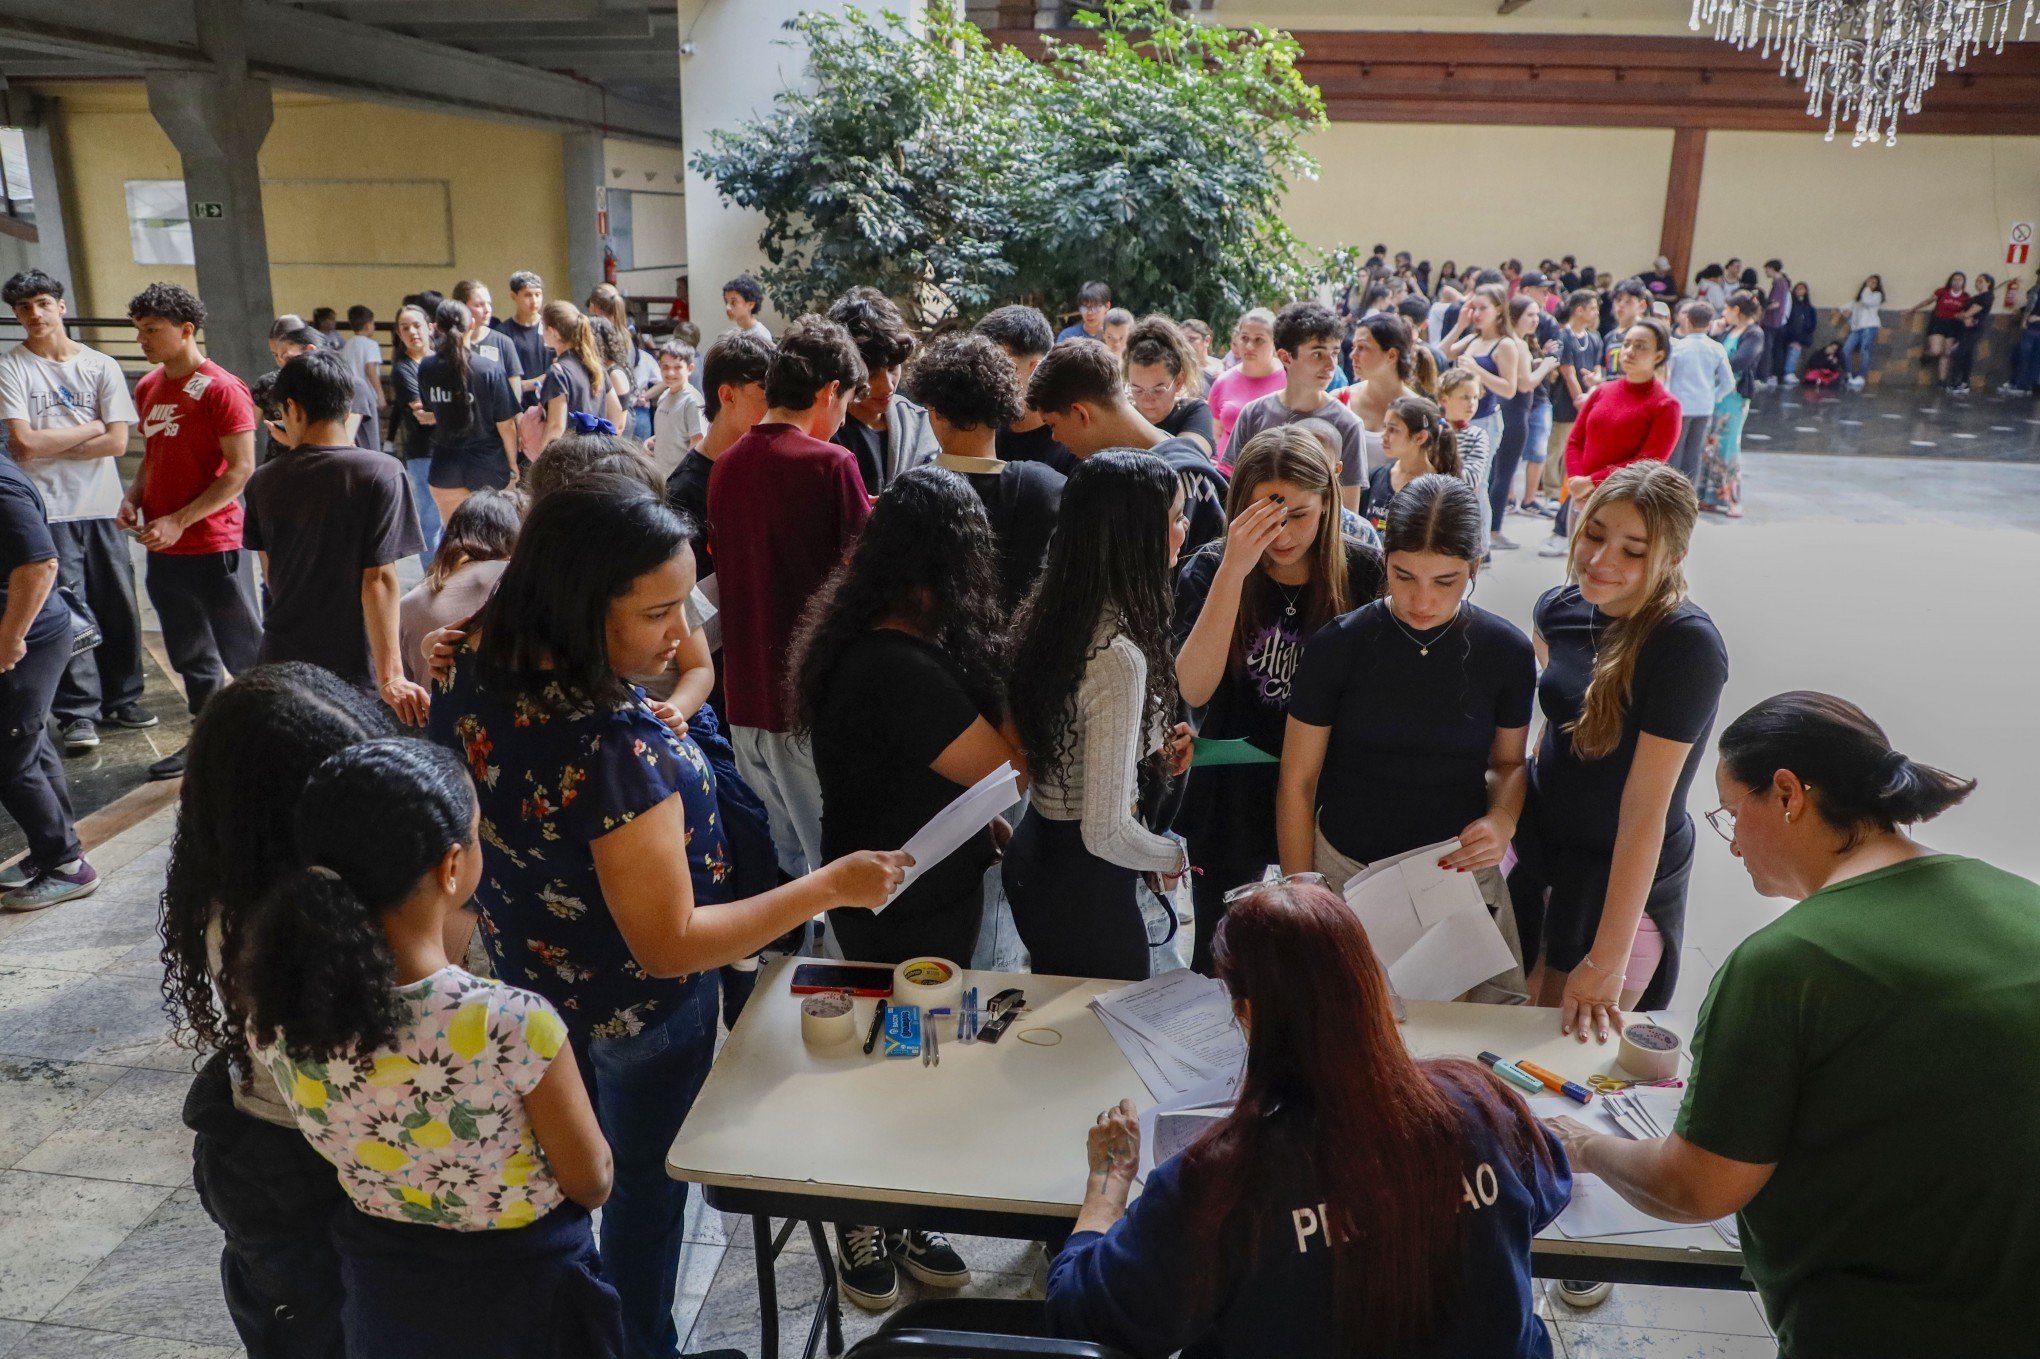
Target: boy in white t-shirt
column 678, row 419
column 362, row 352
column 67, row 410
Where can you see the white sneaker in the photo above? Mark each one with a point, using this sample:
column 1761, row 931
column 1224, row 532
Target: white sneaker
column 1554, row 546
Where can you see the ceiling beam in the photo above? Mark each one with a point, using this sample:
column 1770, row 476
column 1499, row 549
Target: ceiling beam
column 300, row 49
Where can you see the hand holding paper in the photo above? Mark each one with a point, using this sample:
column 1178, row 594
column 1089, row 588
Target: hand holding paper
column 1428, row 925
column 953, row 826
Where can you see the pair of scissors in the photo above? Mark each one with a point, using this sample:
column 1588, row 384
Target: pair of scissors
column 1605, row 1084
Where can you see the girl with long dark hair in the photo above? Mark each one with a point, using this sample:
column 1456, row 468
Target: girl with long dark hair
column 1411, row 716
column 899, row 684
column 273, row 1197
column 473, row 410
column 608, row 868
column 1354, row 1201
column 1862, row 319
column 449, row 1105
column 1093, row 695
column 1948, row 302
column 1976, row 316
column 1632, row 675
column 1416, row 440
column 463, row 570
column 1245, row 608
column 1826, row 1043
column 1389, row 364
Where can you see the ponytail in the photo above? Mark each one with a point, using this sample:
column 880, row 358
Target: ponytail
column 315, row 972
column 1424, row 370
column 453, row 320
column 1857, row 783
column 1427, row 423
column 579, row 337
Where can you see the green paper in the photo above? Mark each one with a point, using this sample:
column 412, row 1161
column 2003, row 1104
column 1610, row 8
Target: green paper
column 1211, row 754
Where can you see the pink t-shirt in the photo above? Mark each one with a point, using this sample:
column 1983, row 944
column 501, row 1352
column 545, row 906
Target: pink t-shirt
column 1230, row 395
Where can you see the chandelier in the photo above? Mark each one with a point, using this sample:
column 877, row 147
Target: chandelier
column 1864, row 61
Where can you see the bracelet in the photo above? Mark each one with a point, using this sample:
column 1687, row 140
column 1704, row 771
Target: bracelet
column 1589, row 962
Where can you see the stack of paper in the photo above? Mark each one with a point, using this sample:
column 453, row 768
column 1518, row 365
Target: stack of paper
column 953, row 826
column 1169, row 1127
column 1428, row 925
column 1643, row 1113
column 1177, row 1031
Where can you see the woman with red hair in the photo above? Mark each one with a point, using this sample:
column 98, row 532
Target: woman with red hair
column 1355, row 1200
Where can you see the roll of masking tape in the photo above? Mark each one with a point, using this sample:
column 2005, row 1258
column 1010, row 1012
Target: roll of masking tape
column 931, row 983
column 826, row 1019
column 1649, row 1052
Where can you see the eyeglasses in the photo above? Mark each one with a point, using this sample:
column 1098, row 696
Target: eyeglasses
column 1722, row 818
column 1161, row 392
column 1286, row 880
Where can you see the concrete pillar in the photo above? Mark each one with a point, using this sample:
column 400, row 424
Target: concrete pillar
column 38, row 120
column 581, row 162
column 737, row 63
column 217, row 122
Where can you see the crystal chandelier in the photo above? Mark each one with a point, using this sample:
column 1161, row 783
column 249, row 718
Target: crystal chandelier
column 1864, row 61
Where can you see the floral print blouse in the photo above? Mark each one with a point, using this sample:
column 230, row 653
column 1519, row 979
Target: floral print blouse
column 555, row 772
column 432, row 1128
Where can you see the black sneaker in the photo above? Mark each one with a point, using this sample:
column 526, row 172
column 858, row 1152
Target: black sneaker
column 929, row 1257
column 78, row 735
column 169, row 767
column 133, row 716
column 865, row 1273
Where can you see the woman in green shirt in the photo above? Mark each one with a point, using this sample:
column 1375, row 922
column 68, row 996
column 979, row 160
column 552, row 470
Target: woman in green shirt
column 1863, row 1091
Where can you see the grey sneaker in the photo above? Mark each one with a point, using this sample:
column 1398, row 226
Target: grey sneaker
column 1554, row 546
column 79, row 734
column 929, row 1257
column 50, row 888
column 1583, row 1295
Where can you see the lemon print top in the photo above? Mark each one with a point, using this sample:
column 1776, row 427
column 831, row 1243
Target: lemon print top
column 432, row 1129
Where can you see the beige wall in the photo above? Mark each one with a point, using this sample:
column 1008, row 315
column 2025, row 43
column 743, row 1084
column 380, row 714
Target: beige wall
column 1833, row 213
column 660, row 225
column 411, row 199
column 1444, row 191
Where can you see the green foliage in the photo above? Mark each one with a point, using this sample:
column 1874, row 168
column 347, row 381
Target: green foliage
column 957, row 176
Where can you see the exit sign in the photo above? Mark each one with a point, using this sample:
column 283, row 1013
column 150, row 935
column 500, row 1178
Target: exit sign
column 208, row 210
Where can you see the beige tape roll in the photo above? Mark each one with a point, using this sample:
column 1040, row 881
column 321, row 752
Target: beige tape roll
column 827, row 1018
column 1649, row 1052
column 931, row 983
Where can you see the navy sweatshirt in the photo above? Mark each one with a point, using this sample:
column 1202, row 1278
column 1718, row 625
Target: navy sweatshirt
column 1132, row 1287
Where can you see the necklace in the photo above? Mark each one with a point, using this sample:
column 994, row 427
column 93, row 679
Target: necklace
column 1424, row 647
column 1289, row 600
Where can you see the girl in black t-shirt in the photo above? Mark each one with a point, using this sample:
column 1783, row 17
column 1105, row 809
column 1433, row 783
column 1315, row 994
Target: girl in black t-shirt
column 473, row 410
column 1245, row 607
column 1632, row 676
column 1417, row 440
column 578, row 381
column 1411, row 716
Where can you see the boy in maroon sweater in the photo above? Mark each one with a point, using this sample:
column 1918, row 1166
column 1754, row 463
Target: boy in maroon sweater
column 784, row 505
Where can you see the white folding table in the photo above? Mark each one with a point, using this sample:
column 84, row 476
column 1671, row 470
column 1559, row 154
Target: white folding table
column 990, row 1142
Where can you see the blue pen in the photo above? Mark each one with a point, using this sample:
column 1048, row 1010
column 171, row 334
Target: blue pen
column 1521, row 1079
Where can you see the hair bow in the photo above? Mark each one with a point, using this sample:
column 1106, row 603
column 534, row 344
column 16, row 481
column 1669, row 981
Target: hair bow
column 583, row 423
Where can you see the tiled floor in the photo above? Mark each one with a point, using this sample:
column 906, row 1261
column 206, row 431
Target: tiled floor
column 1892, row 581
column 1895, row 423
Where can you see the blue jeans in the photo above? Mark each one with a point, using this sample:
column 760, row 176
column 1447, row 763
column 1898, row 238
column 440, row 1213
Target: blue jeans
column 428, row 508
column 1858, row 346
column 1540, row 433
column 2026, row 366
column 643, row 1087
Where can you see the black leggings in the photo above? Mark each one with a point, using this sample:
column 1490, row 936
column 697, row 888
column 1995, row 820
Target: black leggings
column 32, row 784
column 1078, row 915
column 1501, row 475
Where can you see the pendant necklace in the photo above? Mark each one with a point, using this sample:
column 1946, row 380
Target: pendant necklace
column 1423, row 647
column 1288, row 599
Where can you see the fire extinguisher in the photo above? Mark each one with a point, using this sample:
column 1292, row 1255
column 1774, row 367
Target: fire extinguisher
column 608, row 265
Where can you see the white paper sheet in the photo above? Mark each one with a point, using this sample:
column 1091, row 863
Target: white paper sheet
column 1168, row 1127
column 1428, row 925
column 706, row 605
column 1597, row 1210
column 1186, row 1015
column 952, row 827
column 1164, row 1076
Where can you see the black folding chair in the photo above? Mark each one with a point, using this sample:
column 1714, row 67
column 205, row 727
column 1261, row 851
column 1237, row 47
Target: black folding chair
column 918, row 1332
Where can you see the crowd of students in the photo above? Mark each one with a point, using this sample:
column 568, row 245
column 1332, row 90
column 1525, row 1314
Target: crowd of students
column 924, row 560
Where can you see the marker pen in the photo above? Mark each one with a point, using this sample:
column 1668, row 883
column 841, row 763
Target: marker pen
column 1558, row 1085
column 1522, row 1080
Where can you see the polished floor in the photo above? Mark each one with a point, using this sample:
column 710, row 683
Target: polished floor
column 1897, row 582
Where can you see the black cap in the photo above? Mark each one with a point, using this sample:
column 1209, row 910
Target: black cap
column 1533, row 278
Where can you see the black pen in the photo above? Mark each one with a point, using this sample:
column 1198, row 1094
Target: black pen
column 877, row 1023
